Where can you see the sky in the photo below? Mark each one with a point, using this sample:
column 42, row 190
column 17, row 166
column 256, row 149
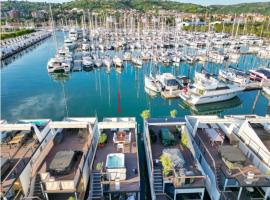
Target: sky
column 201, row 2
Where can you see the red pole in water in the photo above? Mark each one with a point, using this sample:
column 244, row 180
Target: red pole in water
column 119, row 107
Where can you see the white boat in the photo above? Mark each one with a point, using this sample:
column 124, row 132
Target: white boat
column 87, row 61
column 65, row 54
column 152, row 84
column 261, row 74
column 127, row 56
column 85, row 46
column 137, row 61
column 107, row 61
column 117, row 61
column 168, row 81
column 69, row 43
column 234, row 75
column 58, row 65
column 98, row 62
column 207, row 89
column 266, row 90
column 73, row 34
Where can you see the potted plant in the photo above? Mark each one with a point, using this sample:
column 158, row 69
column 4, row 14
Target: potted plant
column 102, row 140
column 166, row 164
column 184, row 139
column 99, row 166
column 71, row 198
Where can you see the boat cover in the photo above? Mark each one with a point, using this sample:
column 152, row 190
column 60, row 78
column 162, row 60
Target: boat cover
column 176, row 157
column 62, row 162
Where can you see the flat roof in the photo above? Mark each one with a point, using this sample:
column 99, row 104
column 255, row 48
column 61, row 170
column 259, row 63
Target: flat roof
column 132, row 182
column 190, row 162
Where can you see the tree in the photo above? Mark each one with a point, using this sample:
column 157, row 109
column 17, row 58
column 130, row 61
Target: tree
column 145, row 114
column 173, row 113
column 166, row 164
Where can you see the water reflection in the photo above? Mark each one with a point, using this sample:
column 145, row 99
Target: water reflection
column 60, row 77
column 212, row 108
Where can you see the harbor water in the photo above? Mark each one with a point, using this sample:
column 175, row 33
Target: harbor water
column 28, row 91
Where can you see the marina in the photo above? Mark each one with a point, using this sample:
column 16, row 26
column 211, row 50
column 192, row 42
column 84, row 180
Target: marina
column 98, row 88
column 134, row 104
column 10, row 47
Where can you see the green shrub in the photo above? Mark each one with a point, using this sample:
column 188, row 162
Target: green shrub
column 102, row 138
column 99, row 166
column 184, row 139
column 166, row 164
column 145, row 114
column 173, row 113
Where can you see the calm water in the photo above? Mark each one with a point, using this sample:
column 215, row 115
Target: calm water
column 27, row 91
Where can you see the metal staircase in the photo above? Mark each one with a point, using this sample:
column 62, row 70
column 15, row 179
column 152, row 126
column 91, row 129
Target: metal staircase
column 158, row 181
column 37, row 187
column 96, row 186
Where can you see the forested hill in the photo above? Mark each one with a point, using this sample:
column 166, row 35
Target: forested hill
column 141, row 5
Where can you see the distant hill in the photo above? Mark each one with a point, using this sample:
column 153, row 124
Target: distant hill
column 141, row 5
column 260, row 7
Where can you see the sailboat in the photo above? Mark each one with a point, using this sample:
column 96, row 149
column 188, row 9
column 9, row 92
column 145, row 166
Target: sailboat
column 151, row 83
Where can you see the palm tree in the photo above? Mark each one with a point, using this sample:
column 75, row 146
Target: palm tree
column 145, row 114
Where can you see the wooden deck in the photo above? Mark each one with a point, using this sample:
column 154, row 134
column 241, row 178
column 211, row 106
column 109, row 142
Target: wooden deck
column 212, row 151
column 19, row 156
column 190, row 162
column 72, row 141
column 132, row 182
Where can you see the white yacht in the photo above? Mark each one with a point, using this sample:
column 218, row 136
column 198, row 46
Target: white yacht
column 168, row 81
column 234, row 75
column 107, row 61
column 58, row 65
column 87, row 61
column 69, row 43
column 127, row 56
column 207, row 89
column 266, row 90
column 152, row 84
column 137, row 61
column 73, row 34
column 117, row 61
column 64, row 53
column 85, row 46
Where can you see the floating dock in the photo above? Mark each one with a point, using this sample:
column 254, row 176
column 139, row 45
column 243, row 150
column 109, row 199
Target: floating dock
column 18, row 50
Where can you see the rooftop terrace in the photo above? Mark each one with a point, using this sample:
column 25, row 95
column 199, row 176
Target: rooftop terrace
column 226, row 154
column 131, row 182
column 195, row 179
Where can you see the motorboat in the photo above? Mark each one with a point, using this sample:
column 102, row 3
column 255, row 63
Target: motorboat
column 234, row 75
column 117, row 61
column 107, row 61
column 207, row 89
column 137, row 61
column 261, row 74
column 168, row 81
column 152, row 84
column 69, row 43
column 58, row 65
column 127, row 56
